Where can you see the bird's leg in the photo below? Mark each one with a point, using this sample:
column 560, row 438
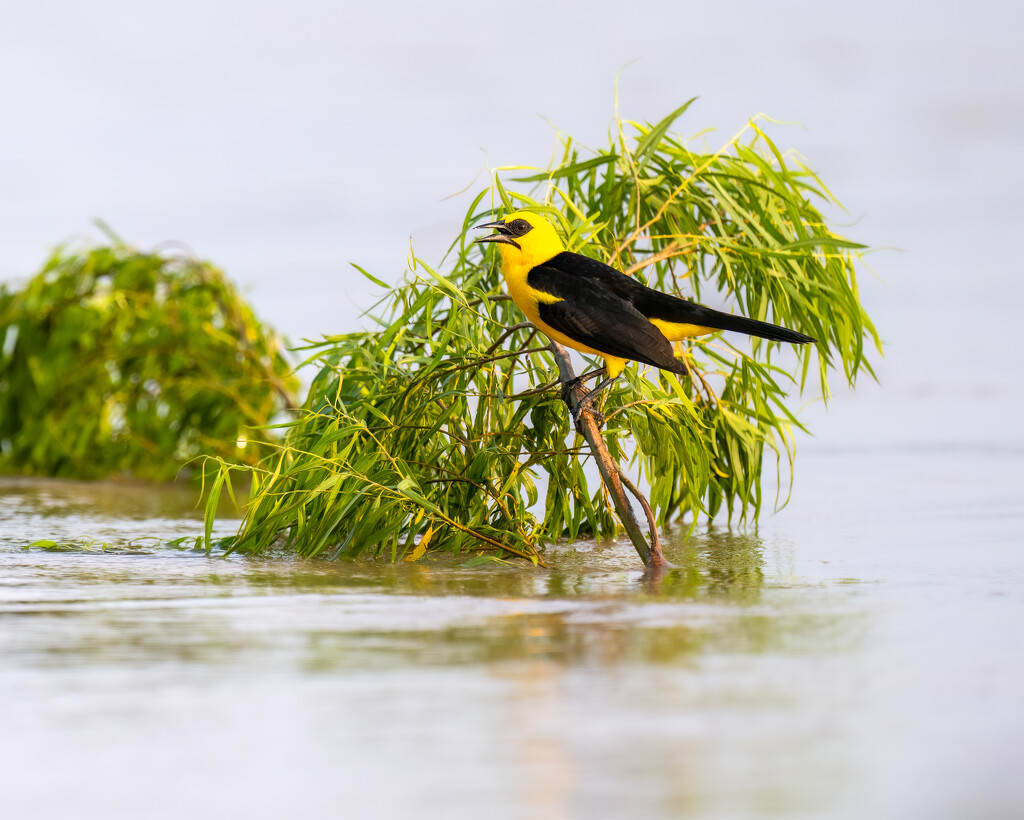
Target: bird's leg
column 586, row 403
column 586, row 377
column 588, row 399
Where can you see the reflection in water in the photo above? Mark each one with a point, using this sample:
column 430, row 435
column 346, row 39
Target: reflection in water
column 714, row 563
column 138, row 609
column 555, row 692
column 594, row 606
column 52, row 497
column 726, row 686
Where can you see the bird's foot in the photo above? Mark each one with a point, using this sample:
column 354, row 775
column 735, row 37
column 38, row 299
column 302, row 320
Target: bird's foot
column 569, row 387
column 583, row 378
column 572, row 383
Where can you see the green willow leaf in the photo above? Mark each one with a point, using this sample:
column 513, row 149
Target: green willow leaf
column 570, row 170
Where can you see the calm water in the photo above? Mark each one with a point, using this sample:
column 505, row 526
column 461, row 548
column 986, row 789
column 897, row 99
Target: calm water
column 860, row 655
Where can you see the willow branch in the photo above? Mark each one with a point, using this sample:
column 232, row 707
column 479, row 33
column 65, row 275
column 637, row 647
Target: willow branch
column 508, row 332
column 573, row 392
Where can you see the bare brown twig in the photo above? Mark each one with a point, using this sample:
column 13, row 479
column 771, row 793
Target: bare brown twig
column 611, row 473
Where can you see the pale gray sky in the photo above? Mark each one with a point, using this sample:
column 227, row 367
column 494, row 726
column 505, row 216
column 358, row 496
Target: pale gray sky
column 283, row 140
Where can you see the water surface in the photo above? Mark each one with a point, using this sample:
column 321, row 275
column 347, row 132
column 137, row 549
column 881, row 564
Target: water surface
column 858, row 655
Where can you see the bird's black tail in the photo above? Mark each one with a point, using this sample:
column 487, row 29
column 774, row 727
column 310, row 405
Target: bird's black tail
column 656, row 305
column 753, row 327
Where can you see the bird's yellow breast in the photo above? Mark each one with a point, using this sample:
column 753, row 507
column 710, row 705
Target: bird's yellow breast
column 536, row 247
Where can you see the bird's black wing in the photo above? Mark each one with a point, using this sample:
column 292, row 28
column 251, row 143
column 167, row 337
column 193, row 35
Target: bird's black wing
column 583, row 267
column 657, row 305
column 600, row 319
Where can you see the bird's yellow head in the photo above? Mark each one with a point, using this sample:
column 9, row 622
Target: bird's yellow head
column 524, row 240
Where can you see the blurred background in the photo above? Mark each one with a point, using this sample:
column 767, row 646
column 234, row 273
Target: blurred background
column 879, row 672
column 282, row 142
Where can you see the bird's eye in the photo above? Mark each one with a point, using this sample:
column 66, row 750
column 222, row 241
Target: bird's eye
column 521, row 226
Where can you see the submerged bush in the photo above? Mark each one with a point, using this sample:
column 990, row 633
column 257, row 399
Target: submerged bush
column 431, row 430
column 119, row 362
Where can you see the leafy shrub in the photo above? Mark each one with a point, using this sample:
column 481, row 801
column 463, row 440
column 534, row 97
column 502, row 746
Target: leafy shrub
column 114, row 361
column 441, row 426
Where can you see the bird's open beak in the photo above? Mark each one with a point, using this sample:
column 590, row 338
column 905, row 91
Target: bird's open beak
column 500, row 236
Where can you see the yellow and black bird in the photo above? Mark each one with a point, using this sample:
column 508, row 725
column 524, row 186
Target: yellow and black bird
column 591, row 307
